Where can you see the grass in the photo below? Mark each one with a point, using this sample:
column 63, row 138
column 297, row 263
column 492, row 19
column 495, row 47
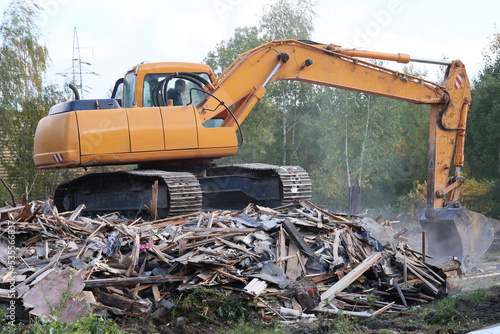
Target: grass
column 446, row 313
column 490, row 256
column 92, row 324
column 205, row 304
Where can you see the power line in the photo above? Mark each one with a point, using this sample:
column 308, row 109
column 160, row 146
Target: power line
column 76, row 67
column 77, row 62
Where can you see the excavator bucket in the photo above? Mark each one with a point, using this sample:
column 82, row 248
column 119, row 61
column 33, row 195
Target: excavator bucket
column 456, row 232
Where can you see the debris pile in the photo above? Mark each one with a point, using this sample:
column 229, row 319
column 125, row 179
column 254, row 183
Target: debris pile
column 295, row 261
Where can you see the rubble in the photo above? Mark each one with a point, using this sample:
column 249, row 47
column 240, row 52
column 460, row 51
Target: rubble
column 295, row 261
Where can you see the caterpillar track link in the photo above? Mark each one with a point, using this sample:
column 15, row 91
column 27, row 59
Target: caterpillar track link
column 128, row 192
column 214, row 187
column 234, row 186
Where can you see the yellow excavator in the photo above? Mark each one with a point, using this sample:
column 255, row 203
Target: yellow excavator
column 174, row 119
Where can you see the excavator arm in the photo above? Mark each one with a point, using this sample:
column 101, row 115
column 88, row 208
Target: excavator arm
column 452, row 230
column 243, row 84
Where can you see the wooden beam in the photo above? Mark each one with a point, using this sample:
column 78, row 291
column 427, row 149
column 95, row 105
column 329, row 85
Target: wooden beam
column 383, row 309
column 297, row 238
column 351, row 277
column 104, row 282
column 292, row 262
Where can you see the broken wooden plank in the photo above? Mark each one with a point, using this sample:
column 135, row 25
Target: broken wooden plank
column 432, row 287
column 119, row 281
column 336, row 217
column 383, row 309
column 135, row 256
column 282, row 250
column 224, row 273
column 401, row 295
column 236, row 246
column 297, row 238
column 292, row 262
column 302, row 266
column 154, row 200
column 243, row 230
column 113, row 300
column 76, row 213
column 351, row 277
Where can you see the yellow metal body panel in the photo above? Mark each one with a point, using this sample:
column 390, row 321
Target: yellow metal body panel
column 446, row 122
column 180, row 127
column 57, row 134
column 103, row 131
column 217, row 138
column 126, row 136
column 146, row 129
column 129, row 158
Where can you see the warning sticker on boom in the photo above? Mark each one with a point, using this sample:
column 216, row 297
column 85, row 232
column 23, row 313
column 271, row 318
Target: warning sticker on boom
column 459, row 80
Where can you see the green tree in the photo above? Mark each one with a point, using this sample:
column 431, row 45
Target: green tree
column 379, row 143
column 284, row 108
column 24, row 99
column 244, row 39
column 482, row 151
column 289, row 19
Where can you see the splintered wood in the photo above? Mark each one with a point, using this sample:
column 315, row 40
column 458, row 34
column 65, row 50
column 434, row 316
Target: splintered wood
column 295, row 260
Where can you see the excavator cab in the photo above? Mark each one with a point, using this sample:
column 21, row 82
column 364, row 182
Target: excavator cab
column 142, row 88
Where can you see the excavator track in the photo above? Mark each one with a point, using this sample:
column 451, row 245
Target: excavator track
column 295, row 181
column 129, row 191
column 179, row 193
column 184, row 190
column 296, row 184
column 234, row 186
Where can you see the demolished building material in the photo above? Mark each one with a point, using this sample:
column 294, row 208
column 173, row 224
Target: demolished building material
column 296, row 260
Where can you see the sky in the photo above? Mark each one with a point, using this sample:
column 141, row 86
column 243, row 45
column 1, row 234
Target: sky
column 115, row 35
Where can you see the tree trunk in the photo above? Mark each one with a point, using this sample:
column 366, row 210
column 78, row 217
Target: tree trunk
column 347, row 153
column 364, row 143
column 284, row 138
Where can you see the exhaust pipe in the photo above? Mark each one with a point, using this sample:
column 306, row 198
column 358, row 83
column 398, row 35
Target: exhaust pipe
column 75, row 91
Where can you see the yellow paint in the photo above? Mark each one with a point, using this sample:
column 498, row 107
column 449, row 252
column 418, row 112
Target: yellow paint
column 146, row 129
column 57, row 134
column 103, row 131
column 180, row 127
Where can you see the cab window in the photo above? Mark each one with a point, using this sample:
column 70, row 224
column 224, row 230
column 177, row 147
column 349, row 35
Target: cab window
column 129, row 89
column 178, row 90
